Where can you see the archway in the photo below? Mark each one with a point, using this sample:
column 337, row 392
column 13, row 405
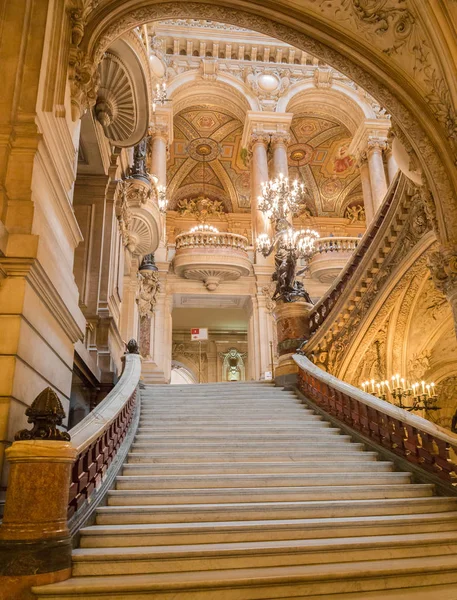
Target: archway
column 368, row 56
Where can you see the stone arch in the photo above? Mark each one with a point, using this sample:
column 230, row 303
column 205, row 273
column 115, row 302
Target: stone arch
column 356, row 108
column 423, row 120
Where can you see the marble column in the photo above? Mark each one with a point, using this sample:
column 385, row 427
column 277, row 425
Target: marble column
column 392, row 166
column 259, row 174
column 366, row 187
column 280, row 142
column 377, row 173
column 159, row 141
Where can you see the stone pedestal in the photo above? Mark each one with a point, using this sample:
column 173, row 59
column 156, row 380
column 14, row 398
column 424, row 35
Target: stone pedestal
column 292, row 322
column 35, row 545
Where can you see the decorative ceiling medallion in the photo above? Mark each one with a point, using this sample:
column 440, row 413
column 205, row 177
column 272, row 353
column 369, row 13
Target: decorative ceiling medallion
column 203, row 149
column 300, row 154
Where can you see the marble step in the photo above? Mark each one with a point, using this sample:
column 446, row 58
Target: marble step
column 180, row 482
column 196, row 421
column 232, row 430
column 278, row 459
column 334, row 443
column 326, row 493
column 218, row 395
column 300, row 581
column 307, row 435
column 280, row 529
column 238, row 511
column 235, row 555
column 145, row 465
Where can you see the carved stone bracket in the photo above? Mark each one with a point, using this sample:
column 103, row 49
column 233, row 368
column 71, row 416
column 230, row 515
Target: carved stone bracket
column 443, row 269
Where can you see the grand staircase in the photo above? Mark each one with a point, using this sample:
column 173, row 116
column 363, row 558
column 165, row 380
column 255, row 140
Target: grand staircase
column 239, row 491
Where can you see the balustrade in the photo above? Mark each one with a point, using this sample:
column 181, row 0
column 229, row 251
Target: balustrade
column 335, row 244
column 216, row 239
column 413, row 438
column 371, row 239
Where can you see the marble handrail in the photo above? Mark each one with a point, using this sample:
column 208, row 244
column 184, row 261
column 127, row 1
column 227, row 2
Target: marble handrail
column 208, row 238
column 99, row 436
column 416, row 439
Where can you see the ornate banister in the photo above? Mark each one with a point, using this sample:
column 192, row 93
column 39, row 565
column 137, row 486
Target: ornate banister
column 100, row 442
column 197, row 239
column 330, row 302
column 411, row 437
column 336, row 244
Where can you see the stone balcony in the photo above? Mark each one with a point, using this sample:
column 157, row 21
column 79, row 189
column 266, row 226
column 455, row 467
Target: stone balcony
column 211, row 257
column 330, row 256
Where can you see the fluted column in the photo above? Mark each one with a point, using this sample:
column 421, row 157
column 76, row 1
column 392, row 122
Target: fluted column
column 377, row 173
column 366, row 187
column 280, row 142
column 259, row 174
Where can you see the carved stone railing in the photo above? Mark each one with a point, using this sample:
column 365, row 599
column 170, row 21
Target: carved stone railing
column 412, row 438
column 211, row 257
column 102, row 440
column 369, row 254
column 331, row 255
column 203, row 238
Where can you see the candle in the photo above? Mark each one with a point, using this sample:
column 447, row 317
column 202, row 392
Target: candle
column 423, row 386
column 397, row 377
column 402, row 383
column 428, row 390
column 372, row 385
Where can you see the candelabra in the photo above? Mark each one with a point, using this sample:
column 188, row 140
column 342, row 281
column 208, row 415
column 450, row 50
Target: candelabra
column 280, row 200
column 290, row 245
column 162, row 199
column 159, row 96
column 409, row 396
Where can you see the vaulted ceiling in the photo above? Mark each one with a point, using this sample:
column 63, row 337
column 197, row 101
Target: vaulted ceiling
column 318, row 154
column 205, row 158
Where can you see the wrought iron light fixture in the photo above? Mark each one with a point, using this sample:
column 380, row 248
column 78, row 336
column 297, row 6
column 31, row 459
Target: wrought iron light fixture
column 404, row 394
column 159, row 96
column 280, row 201
column 162, row 199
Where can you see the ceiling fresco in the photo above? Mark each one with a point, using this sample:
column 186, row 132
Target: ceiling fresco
column 206, row 148
column 318, row 154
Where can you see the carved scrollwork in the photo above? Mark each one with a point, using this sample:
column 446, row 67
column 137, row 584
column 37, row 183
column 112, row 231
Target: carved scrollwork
column 443, row 269
column 148, row 287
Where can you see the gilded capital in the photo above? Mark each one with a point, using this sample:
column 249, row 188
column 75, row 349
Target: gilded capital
column 280, row 139
column 259, row 137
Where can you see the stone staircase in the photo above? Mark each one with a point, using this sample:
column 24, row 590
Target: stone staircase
column 239, row 491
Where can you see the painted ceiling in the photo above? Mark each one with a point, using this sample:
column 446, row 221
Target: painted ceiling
column 318, row 155
column 205, row 158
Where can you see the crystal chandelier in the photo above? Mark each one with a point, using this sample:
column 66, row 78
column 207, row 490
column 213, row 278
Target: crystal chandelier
column 162, row 199
column 404, row 394
column 281, row 198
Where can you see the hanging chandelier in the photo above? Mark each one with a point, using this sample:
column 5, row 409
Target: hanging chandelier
column 281, row 198
column 299, row 242
column 404, row 394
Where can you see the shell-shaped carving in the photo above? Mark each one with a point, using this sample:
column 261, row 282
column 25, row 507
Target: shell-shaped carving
column 142, row 235
column 115, row 108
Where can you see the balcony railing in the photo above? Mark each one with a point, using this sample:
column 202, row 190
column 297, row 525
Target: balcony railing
column 336, row 244
column 208, row 238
